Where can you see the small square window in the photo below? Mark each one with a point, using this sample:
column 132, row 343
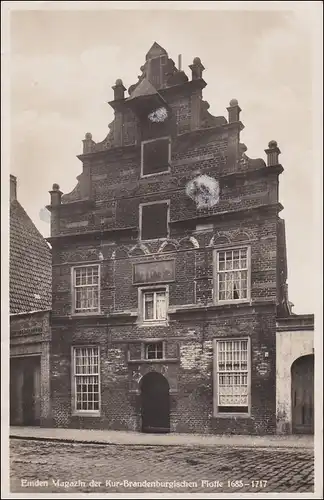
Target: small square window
column 156, row 156
column 154, row 350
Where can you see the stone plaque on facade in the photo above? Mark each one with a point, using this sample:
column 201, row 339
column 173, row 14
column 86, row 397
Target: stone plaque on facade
column 263, row 369
column 153, row 272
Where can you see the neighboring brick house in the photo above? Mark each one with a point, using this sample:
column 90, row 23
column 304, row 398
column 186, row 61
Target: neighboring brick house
column 168, row 268
column 30, row 304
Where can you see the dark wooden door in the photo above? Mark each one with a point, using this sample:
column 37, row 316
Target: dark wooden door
column 302, row 388
column 28, row 399
column 16, row 382
column 25, row 390
column 155, row 403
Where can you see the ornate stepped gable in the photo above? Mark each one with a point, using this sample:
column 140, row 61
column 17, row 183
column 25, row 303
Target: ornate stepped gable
column 156, row 98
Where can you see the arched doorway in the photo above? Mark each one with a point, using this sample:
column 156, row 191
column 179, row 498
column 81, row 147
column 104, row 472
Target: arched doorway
column 302, row 395
column 155, row 403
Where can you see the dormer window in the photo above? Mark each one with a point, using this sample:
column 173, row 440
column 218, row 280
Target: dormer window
column 155, row 156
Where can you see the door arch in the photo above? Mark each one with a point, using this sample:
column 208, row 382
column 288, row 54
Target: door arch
column 302, row 395
column 155, row 403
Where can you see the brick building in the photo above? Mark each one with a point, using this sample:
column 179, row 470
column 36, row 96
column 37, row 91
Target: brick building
column 169, row 268
column 30, row 305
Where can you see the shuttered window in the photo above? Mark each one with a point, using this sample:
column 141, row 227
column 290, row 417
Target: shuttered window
column 154, row 221
column 156, row 156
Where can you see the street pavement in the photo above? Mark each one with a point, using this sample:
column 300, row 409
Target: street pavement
column 39, row 466
column 172, row 439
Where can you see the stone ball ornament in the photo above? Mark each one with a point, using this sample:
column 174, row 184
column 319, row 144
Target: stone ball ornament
column 272, row 144
column 204, row 191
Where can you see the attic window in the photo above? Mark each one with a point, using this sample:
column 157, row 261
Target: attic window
column 155, row 156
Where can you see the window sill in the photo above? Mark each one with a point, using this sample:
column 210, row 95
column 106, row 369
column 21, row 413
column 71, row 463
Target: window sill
column 153, row 323
column 145, row 176
column 86, row 414
column 231, row 302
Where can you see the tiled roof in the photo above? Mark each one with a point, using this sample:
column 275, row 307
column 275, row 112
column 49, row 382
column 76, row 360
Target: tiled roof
column 30, row 264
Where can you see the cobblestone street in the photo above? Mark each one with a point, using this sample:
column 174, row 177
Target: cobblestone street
column 75, row 467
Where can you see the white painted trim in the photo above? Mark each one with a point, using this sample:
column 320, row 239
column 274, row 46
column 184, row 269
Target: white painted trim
column 146, row 289
column 217, row 414
column 223, row 248
column 73, row 295
column 154, row 341
column 160, row 202
column 84, row 413
column 144, row 176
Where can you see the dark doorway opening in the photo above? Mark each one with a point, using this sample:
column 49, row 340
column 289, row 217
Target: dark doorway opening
column 25, row 390
column 155, row 403
column 302, row 395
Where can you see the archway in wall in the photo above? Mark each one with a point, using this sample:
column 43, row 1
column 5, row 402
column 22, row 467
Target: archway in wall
column 302, row 395
column 155, row 403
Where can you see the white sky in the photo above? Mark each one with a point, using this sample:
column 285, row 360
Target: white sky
column 63, row 64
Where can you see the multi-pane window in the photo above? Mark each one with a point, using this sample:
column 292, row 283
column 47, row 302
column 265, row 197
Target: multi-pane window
column 156, row 155
column 86, row 289
column 232, row 275
column 154, row 350
column 154, row 305
column 232, row 371
column 86, row 379
column 154, row 220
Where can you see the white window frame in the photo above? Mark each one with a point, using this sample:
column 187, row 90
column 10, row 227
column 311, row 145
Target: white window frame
column 142, row 157
column 216, row 372
column 75, row 376
column 74, row 286
column 153, row 342
column 159, row 202
column 141, row 297
column 217, row 272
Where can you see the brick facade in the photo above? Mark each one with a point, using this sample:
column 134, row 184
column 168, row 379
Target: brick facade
column 98, row 223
